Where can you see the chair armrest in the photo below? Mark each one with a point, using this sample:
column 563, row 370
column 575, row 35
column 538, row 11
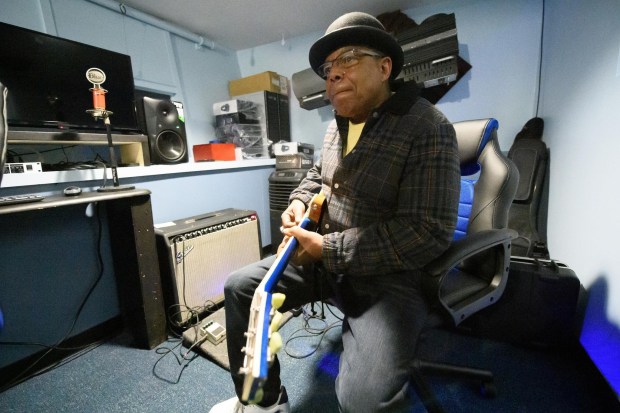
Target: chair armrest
column 467, row 247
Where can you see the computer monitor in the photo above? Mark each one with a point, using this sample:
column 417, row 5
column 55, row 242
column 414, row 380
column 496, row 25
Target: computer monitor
column 3, row 129
column 46, row 77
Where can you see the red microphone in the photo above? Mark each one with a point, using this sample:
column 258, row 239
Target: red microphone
column 97, row 77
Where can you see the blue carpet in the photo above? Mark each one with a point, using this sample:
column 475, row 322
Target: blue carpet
column 114, row 377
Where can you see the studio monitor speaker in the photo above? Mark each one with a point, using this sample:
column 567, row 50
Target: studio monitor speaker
column 165, row 131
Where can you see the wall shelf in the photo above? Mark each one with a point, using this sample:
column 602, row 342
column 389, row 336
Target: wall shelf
column 134, row 147
column 85, row 175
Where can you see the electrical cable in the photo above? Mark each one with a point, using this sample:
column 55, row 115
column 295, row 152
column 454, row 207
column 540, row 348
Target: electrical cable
column 61, row 148
column 192, row 315
column 311, row 331
column 23, row 376
column 105, row 170
column 540, row 58
column 182, row 359
column 77, row 352
column 187, row 314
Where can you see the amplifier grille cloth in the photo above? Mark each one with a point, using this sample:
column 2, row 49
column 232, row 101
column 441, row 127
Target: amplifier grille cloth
column 203, row 263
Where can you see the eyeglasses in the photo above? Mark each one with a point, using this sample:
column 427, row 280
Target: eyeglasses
column 345, row 60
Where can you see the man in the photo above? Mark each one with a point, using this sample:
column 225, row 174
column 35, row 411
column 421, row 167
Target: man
column 390, row 172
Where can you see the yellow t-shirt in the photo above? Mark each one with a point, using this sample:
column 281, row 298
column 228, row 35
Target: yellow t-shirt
column 355, row 130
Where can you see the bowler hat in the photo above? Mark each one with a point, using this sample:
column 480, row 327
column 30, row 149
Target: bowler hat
column 356, row 29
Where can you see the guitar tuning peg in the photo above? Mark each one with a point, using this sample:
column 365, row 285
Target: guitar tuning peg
column 277, row 299
column 258, row 396
column 275, row 343
column 275, row 322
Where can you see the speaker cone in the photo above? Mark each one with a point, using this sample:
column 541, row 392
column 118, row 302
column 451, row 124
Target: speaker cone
column 171, row 146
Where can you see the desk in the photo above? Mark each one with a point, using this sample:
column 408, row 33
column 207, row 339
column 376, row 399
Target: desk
column 134, row 255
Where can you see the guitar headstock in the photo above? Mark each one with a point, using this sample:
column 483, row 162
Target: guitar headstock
column 314, row 210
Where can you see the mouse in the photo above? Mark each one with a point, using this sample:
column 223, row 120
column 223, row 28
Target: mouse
column 72, row 190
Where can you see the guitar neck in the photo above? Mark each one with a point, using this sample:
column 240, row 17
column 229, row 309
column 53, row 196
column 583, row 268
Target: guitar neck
column 272, row 277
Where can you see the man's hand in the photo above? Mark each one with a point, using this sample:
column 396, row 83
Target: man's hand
column 310, row 245
column 293, row 215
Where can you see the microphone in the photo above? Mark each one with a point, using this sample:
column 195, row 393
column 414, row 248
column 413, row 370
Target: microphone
column 97, row 77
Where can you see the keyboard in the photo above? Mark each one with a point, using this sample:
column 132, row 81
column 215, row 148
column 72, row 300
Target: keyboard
column 19, row 199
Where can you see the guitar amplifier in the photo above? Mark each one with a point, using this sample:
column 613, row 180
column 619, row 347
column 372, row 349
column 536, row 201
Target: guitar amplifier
column 196, row 255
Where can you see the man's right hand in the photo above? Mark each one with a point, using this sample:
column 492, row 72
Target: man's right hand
column 293, row 214
column 291, row 217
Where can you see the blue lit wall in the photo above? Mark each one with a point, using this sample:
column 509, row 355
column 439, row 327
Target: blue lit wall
column 580, row 104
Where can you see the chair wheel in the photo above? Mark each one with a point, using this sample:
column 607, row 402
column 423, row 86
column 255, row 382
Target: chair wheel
column 488, row 389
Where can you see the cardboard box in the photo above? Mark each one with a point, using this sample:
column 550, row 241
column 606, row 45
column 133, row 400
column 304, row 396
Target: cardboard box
column 269, row 81
column 214, row 152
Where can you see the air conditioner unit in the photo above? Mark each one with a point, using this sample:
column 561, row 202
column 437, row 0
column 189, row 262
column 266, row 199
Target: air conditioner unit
column 309, row 89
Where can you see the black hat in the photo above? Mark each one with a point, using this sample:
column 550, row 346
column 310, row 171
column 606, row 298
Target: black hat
column 356, row 29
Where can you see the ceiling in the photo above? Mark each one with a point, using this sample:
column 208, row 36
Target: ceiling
column 243, row 24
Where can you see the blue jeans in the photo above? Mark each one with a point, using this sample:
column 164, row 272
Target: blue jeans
column 383, row 319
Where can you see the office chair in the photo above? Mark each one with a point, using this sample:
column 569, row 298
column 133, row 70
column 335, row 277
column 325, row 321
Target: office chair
column 472, row 273
column 528, row 213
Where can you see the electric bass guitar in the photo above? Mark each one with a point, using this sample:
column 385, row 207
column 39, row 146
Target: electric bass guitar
column 262, row 338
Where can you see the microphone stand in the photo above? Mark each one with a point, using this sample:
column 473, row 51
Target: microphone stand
column 115, row 182
column 97, row 77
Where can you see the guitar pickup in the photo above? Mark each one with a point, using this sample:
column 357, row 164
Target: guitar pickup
column 214, row 331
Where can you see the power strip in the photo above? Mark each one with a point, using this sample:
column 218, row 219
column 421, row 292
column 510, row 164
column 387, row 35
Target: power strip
column 22, row 167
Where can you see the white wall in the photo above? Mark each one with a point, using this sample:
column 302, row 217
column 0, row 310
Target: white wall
column 581, row 108
column 499, row 38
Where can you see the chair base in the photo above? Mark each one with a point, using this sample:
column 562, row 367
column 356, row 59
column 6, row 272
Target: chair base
column 422, row 367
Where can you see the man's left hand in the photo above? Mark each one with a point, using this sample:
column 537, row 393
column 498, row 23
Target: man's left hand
column 310, row 245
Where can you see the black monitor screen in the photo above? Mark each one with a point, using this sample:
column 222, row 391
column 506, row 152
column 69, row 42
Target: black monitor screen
column 46, row 79
column 2, row 130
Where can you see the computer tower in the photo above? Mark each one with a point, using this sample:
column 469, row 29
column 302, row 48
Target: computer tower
column 197, row 254
column 274, row 114
column 281, row 184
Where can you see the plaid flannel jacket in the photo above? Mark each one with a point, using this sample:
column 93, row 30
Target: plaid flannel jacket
column 392, row 202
